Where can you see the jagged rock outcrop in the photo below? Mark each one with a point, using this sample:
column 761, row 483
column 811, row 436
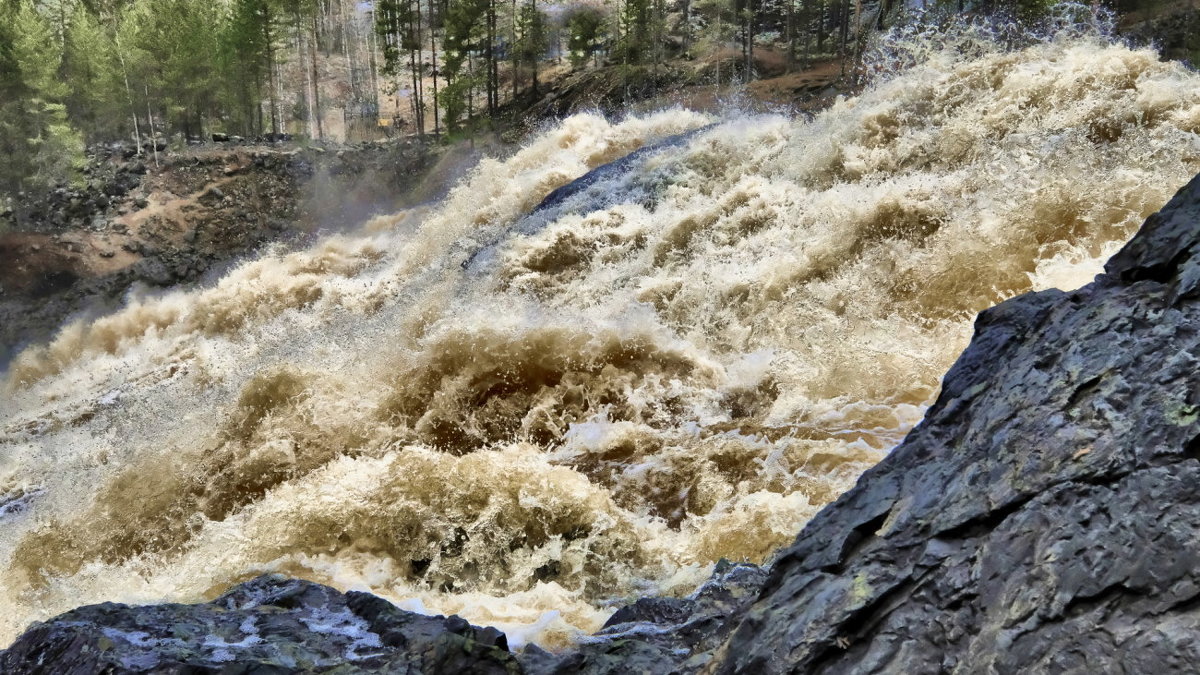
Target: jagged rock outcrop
column 269, row 625
column 660, row 635
column 1044, row 517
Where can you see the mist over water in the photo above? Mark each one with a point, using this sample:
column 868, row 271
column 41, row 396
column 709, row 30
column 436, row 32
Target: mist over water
column 527, row 419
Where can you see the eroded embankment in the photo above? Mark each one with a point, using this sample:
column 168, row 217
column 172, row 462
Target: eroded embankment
column 141, row 226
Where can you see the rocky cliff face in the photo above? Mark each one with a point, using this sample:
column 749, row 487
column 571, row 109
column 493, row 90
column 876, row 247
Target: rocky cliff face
column 1043, row 518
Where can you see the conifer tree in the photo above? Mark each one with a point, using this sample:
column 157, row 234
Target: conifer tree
column 585, row 35
column 44, row 148
column 464, row 32
column 531, row 42
column 92, row 74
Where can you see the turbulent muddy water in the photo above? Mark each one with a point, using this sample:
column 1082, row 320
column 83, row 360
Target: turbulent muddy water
column 525, row 419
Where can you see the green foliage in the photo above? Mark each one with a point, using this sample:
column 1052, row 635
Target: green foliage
column 454, row 98
column 533, row 37
column 585, row 34
column 463, row 33
column 176, row 48
column 395, row 21
column 246, row 47
column 531, row 40
column 640, row 24
column 40, row 145
column 92, row 72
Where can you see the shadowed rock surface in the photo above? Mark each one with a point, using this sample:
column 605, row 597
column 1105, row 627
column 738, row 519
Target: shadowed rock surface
column 660, row 635
column 1043, row 518
column 269, row 625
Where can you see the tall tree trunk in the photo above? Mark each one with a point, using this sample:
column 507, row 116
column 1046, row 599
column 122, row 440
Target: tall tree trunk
column 414, row 96
column 533, row 59
column 790, row 35
column 858, row 35
column 492, row 65
column 624, row 52
column 150, row 118
column 412, row 19
column 137, row 133
column 270, row 43
column 298, row 37
column 316, row 81
column 420, row 57
column 843, row 32
column 719, row 44
column 749, row 64
column 437, row 129
column 821, row 35
column 513, row 60
column 657, row 15
column 372, row 48
column 256, row 117
column 470, row 86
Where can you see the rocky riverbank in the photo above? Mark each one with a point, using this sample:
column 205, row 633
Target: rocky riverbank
column 1042, row 518
column 133, row 223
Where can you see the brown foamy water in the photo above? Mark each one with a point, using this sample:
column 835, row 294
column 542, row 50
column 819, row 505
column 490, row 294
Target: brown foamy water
column 526, row 420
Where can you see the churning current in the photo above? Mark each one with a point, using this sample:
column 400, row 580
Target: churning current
column 526, row 417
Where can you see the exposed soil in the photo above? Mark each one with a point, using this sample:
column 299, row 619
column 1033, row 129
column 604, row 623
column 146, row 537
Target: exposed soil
column 711, row 84
column 79, row 250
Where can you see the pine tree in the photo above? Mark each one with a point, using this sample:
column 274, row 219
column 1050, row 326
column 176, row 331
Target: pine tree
column 92, row 73
column 398, row 23
column 247, row 49
column 585, row 35
column 174, row 52
column 42, row 146
column 464, row 33
column 636, row 30
column 532, row 40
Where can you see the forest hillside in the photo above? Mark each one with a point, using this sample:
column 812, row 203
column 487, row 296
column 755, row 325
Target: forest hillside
column 165, row 73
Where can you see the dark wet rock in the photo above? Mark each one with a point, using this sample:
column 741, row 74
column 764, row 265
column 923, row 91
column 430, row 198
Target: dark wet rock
column 660, row 635
column 1043, row 518
column 602, row 176
column 269, row 625
column 622, row 180
column 658, row 611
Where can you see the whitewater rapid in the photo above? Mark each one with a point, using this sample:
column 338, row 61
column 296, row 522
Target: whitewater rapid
column 527, row 419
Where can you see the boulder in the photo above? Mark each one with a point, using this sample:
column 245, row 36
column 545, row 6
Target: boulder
column 660, row 635
column 268, row 625
column 1043, row 517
